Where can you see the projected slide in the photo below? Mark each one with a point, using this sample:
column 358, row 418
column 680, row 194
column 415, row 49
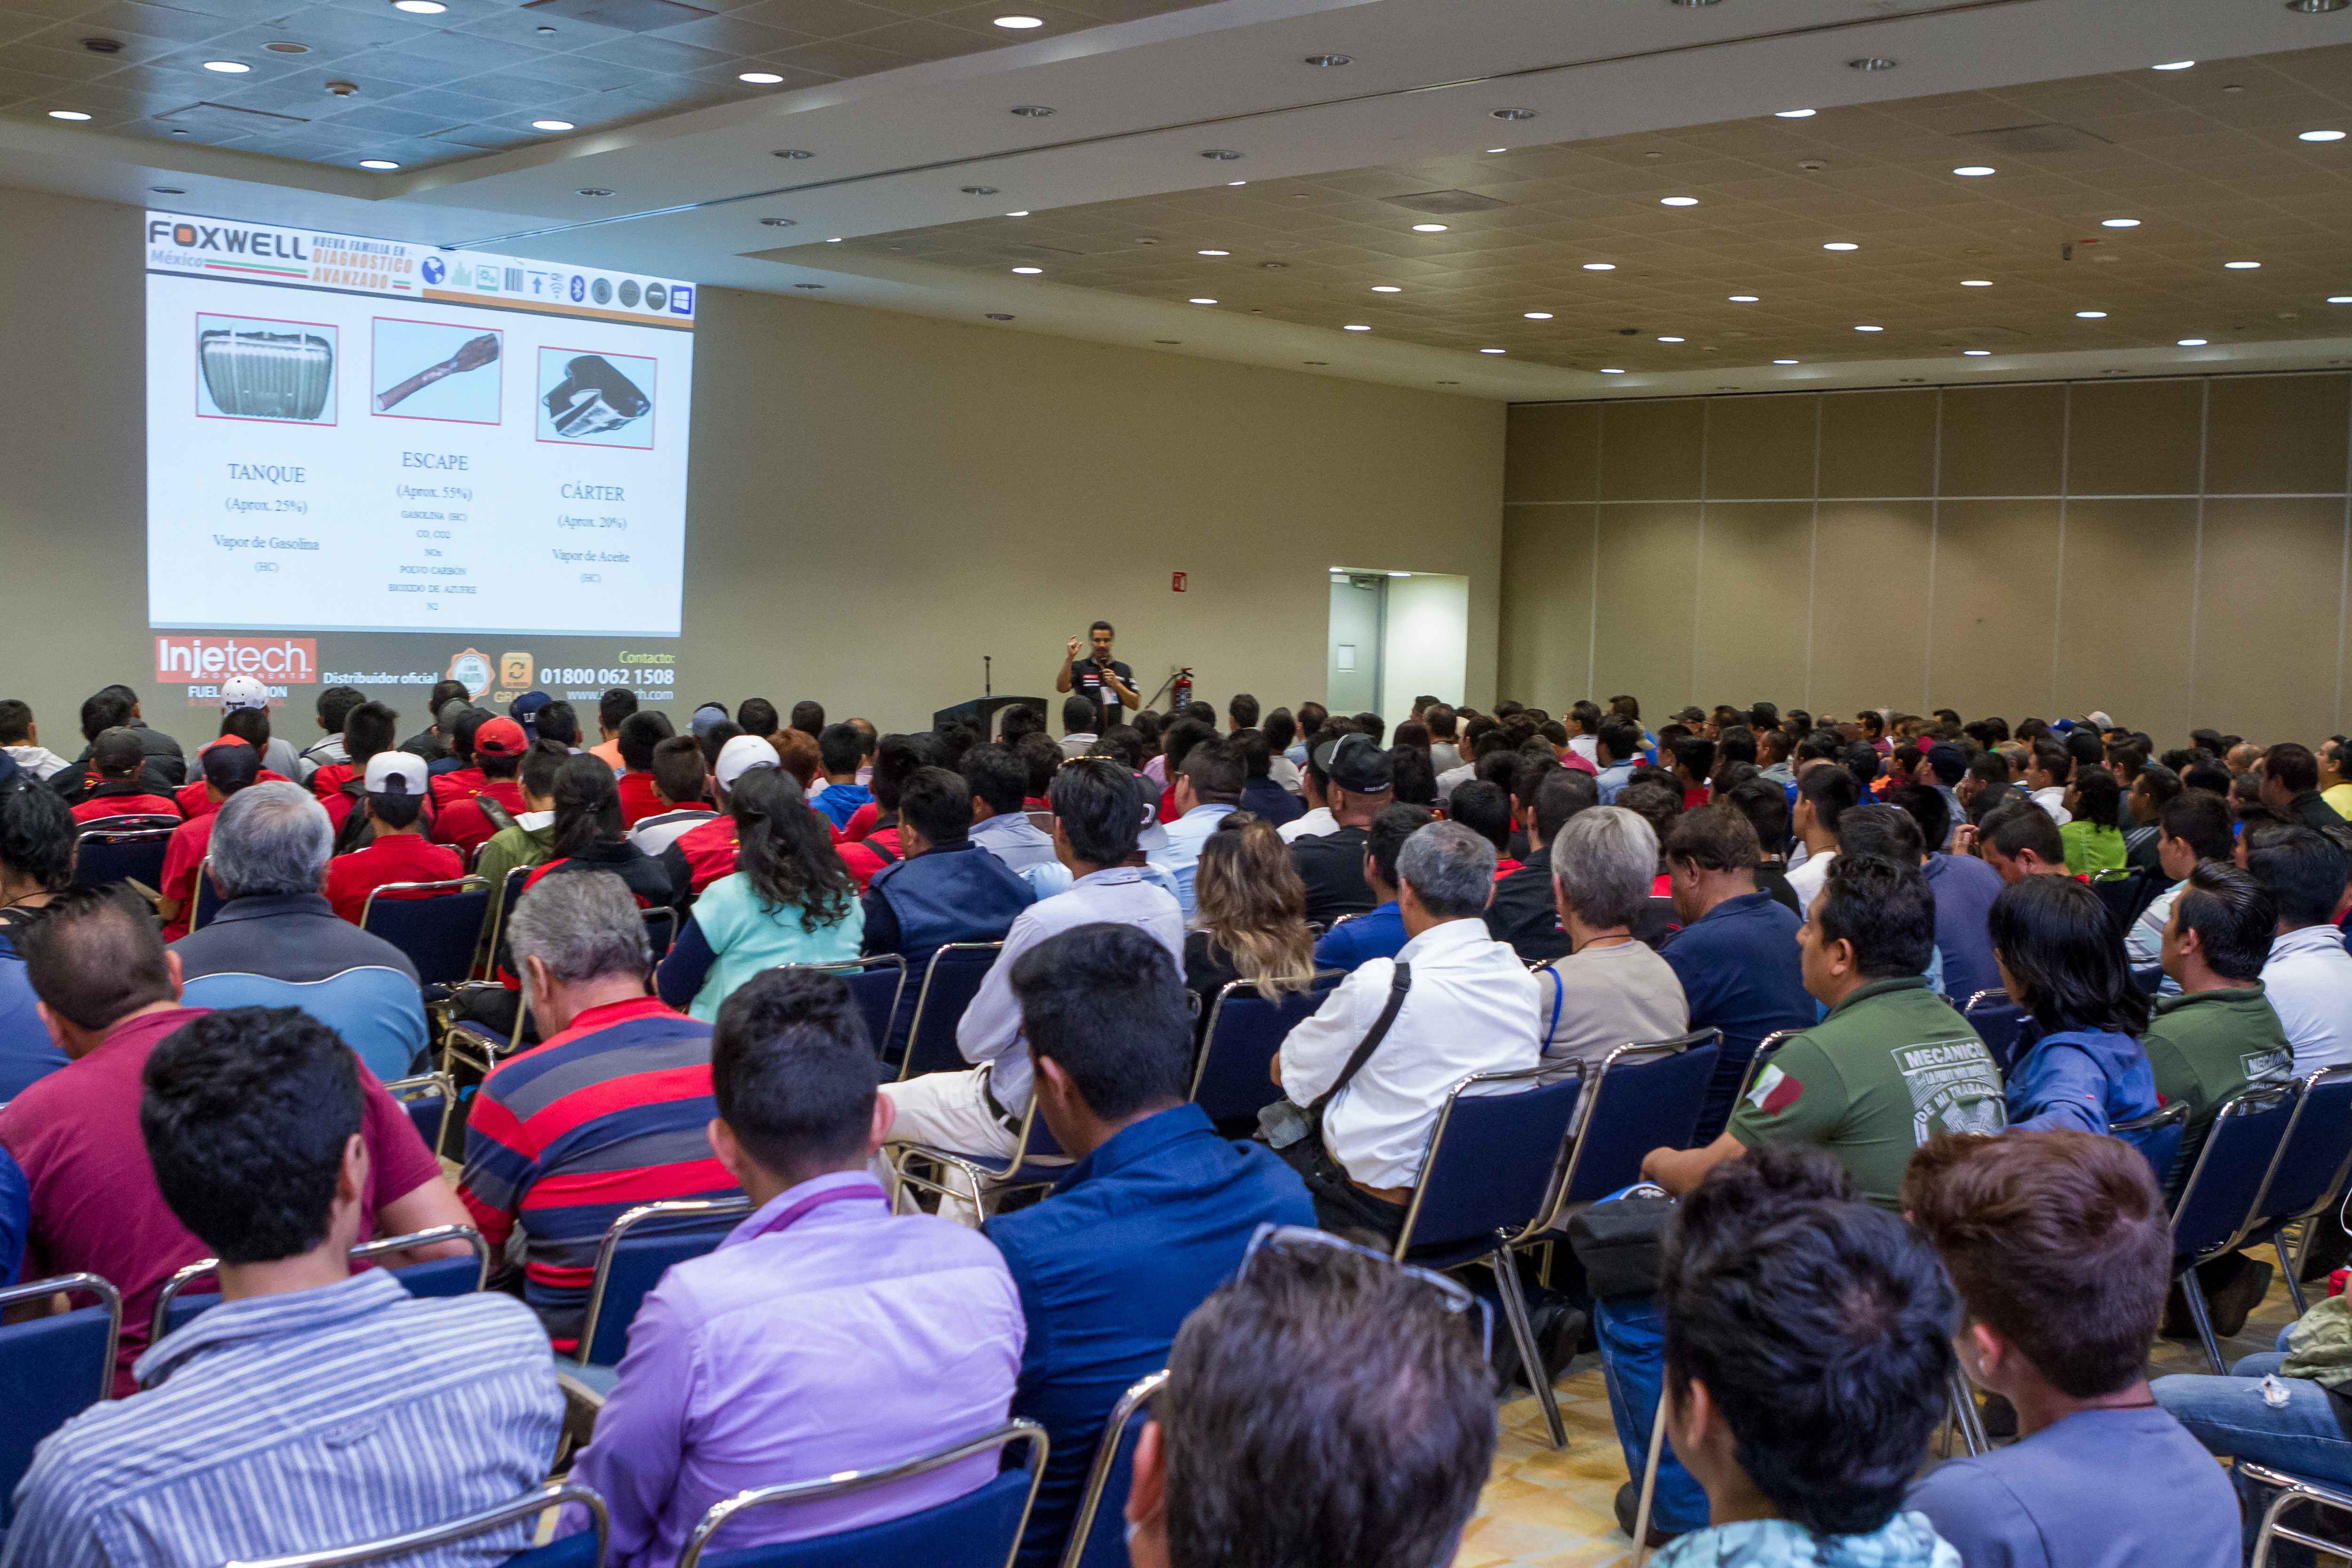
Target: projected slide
column 350, row 435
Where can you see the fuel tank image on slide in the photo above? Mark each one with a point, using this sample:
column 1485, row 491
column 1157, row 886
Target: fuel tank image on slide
column 267, row 370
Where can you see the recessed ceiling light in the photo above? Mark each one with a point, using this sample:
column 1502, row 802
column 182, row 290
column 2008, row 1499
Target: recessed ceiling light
column 1220, row 155
column 1216, row 253
column 1353, row 328
column 1841, row 245
column 1601, row 267
column 388, row 164
column 2321, row 136
column 2316, row 7
column 2242, row 265
column 584, row 190
column 1538, row 315
column 1498, row 149
column 1325, row 60
column 1610, row 370
column 1429, row 228
column 1029, row 271
column 779, row 222
column 67, row 114
column 1742, row 298
column 1386, row 289
column 1974, row 170
column 1678, row 201
column 2173, row 66
column 1670, row 340
column 1237, row 181
column 1976, row 282
column 2091, row 315
column 169, row 189
column 760, row 78
column 1784, row 362
column 1872, row 63
column 283, row 47
column 227, row 67
column 1512, row 113
column 1198, row 301
column 2189, row 343
column 835, row 239
column 1870, row 329
column 1032, row 110
column 420, row 7
column 794, row 152
column 1400, row 574
column 1977, row 353
column 2119, row 222
column 1493, row 351
column 1020, row 24
column 977, row 190
column 2340, row 299
column 1793, row 114
column 551, row 125
column 1022, row 213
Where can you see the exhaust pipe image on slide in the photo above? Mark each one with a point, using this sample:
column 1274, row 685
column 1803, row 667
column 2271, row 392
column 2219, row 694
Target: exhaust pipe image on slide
column 266, row 375
column 594, row 396
column 474, row 355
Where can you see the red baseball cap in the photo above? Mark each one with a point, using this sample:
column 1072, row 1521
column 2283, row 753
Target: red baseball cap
column 501, row 738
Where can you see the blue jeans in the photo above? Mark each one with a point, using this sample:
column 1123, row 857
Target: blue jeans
column 1632, row 1363
column 2228, row 1414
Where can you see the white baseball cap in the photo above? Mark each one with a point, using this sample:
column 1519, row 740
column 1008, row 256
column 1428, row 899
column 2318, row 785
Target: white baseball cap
column 243, row 691
column 405, row 767
column 741, row 755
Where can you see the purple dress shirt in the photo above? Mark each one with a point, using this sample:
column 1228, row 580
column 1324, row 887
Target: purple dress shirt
column 846, row 1339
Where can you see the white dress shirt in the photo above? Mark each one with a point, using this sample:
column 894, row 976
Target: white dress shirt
column 2309, row 982
column 1013, row 838
column 1471, row 1008
column 2053, row 801
column 1284, row 774
column 990, row 1029
column 1588, row 747
column 1449, row 780
column 1806, row 876
column 1317, row 824
column 1180, row 856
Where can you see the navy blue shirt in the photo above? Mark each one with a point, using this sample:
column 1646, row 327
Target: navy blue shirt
column 1357, row 942
column 1965, row 889
column 1273, row 802
column 27, row 1052
column 1132, row 1239
column 1738, row 966
column 16, row 1217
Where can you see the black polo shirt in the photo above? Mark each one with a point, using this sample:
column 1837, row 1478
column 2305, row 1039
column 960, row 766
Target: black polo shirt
column 1332, row 867
column 1087, row 680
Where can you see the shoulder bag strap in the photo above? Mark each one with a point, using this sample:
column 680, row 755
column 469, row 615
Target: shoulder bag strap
column 1372, row 1037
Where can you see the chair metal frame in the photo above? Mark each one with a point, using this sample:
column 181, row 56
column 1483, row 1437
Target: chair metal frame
column 2333, row 1192
column 144, row 821
column 615, row 1233
column 178, row 1283
column 555, row 1494
column 2292, row 1489
column 1556, row 1209
column 2131, row 1131
column 982, row 1183
column 93, row 833
column 204, row 900
column 88, row 1284
column 849, row 1481
column 1760, row 1057
column 1317, row 982
column 2245, row 1102
column 1139, row 1394
column 923, row 995
column 433, row 890
column 416, row 1086
column 868, row 965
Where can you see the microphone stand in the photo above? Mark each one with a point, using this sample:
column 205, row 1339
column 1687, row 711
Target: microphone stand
column 987, row 690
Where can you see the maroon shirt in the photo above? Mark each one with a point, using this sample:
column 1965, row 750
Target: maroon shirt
column 96, row 1207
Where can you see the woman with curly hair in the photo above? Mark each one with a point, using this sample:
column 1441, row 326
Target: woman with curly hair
column 790, row 900
column 1249, row 919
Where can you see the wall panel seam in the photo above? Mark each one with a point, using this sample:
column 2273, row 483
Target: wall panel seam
column 2343, row 588
column 1934, row 523
column 1814, row 552
column 2196, row 555
column 2058, row 577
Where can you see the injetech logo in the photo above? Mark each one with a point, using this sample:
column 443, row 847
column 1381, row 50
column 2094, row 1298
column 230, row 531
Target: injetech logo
column 280, row 660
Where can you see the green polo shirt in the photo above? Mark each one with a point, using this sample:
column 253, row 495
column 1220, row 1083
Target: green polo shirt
column 2207, row 1046
column 1890, row 1068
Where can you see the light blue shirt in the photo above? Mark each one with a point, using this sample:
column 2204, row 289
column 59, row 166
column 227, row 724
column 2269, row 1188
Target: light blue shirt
column 1612, row 780
column 1013, row 838
column 1181, row 856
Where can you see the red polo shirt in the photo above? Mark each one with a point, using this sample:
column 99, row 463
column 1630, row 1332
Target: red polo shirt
column 391, row 857
column 639, row 799
column 96, row 1207
column 190, row 842
column 129, row 803
column 195, row 803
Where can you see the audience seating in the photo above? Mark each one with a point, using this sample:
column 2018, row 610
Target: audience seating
column 950, row 980
column 1487, row 1186
column 1647, row 1095
column 205, row 901
column 426, row 1096
column 436, row 1276
column 981, row 1529
column 661, row 929
column 585, row 1549
column 1108, row 1481
column 1231, row 1081
column 1998, row 1022
column 372, row 1006
column 2150, row 978
column 2292, row 1491
column 985, row 1176
column 2217, row 1202
column 436, row 931
column 1763, row 1058
column 876, row 984
column 2156, row 1135
column 629, row 1265
column 52, row 1369
column 2126, row 894
column 2309, row 1176
column 104, row 855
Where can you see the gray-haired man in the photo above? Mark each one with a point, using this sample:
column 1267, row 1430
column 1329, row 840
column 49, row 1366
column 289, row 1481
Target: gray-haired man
column 1469, row 1006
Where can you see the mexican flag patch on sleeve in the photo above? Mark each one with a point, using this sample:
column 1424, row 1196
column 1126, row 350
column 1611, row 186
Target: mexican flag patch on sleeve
column 1775, row 1091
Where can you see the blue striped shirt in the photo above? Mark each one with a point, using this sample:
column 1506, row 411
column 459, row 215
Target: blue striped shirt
column 294, row 1422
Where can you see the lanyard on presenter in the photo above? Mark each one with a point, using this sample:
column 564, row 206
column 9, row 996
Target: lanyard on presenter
column 792, row 1214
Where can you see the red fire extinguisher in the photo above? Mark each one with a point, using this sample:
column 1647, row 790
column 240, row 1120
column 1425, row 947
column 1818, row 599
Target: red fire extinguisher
column 1181, row 693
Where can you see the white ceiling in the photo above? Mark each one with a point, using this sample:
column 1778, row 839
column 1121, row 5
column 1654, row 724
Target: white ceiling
column 1138, row 102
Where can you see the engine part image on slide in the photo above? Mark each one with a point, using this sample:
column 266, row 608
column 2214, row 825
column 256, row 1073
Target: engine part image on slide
column 477, row 352
column 593, row 397
column 266, row 375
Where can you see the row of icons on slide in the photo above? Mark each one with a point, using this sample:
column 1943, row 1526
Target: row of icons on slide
column 496, row 278
column 285, row 371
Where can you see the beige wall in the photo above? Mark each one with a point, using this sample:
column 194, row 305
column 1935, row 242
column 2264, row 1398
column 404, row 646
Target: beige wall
column 876, row 499
column 2171, row 552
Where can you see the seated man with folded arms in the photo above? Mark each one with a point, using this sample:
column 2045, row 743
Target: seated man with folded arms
column 1235, row 1469
column 1154, row 1215
column 825, row 1333
column 313, row 1407
column 2058, row 1244
column 109, row 993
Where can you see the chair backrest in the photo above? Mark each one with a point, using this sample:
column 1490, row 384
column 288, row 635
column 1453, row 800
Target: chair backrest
column 426, row 1096
column 2156, row 1135
column 458, row 1275
column 1499, row 1141
column 104, row 857
column 1998, row 1022
column 436, row 925
column 52, row 1369
column 1763, row 1058
column 529, row 1506
column 661, row 929
column 375, row 1009
column 2289, row 1492
column 2217, row 1202
column 205, row 901
column 1108, row 1480
column 875, row 985
column 1647, row 1095
column 951, row 981
column 2150, row 978
column 2317, row 1155
column 2123, row 895
column 1231, row 1081
column 638, row 1250
column 981, row 1529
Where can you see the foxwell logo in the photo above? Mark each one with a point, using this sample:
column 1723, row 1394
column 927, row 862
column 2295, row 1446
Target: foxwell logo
column 278, row 661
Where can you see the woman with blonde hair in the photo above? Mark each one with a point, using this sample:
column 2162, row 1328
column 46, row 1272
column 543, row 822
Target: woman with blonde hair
column 1250, row 914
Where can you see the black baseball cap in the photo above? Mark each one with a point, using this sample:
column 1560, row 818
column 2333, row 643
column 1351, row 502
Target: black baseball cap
column 1355, row 764
column 118, row 751
column 230, row 766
